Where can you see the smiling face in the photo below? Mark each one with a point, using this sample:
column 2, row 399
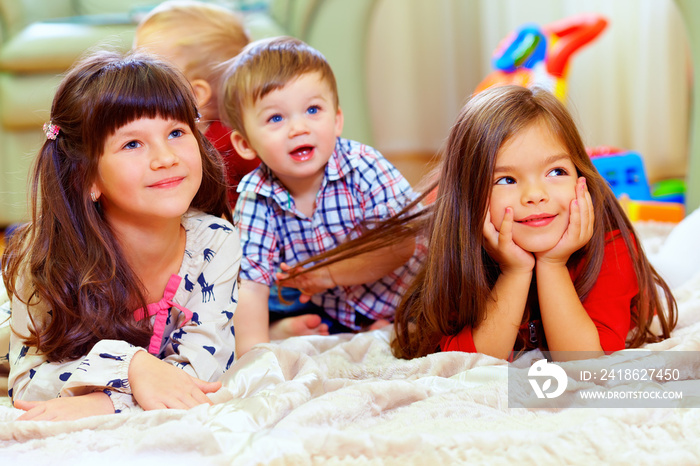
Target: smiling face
column 535, row 176
column 150, row 168
column 293, row 130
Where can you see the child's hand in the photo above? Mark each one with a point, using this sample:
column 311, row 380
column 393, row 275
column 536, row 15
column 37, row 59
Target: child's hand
column 579, row 231
column 66, row 408
column 309, row 283
column 156, row 384
column 500, row 245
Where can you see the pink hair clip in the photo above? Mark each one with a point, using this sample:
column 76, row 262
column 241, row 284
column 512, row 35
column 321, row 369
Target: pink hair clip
column 51, row 130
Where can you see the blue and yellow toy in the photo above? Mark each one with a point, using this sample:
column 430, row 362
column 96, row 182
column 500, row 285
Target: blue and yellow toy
column 624, row 172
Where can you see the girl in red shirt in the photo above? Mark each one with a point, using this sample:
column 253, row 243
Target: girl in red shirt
column 527, row 245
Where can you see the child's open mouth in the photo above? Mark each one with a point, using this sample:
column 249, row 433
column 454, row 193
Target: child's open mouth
column 302, row 153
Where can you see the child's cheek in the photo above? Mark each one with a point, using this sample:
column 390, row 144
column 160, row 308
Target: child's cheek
column 497, row 214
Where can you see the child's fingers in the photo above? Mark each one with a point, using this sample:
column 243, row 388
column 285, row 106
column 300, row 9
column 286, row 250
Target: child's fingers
column 285, row 273
column 35, row 415
column 505, row 234
column 490, row 232
column 285, row 267
column 586, row 215
column 195, row 398
column 591, row 213
column 206, row 387
column 155, row 405
column 26, row 405
column 34, row 410
column 574, row 229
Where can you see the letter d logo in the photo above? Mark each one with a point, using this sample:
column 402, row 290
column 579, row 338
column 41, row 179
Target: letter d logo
column 551, row 371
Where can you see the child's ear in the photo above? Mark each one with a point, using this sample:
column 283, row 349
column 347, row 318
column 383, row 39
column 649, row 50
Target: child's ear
column 95, row 192
column 338, row 122
column 244, row 149
column 202, row 91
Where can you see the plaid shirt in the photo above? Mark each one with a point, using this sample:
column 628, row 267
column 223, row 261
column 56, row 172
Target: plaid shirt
column 359, row 185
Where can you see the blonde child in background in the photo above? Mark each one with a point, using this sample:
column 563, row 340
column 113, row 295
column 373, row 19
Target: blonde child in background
column 312, row 190
column 124, row 284
column 197, row 37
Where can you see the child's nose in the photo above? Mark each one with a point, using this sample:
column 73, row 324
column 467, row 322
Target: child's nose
column 534, row 193
column 297, row 126
column 163, row 157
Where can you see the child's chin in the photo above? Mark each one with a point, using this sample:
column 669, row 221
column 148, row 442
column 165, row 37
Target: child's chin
column 536, row 246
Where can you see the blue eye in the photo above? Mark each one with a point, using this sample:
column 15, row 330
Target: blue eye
column 132, row 145
column 275, row 119
column 313, row 110
column 176, row 134
column 557, row 172
column 505, row 180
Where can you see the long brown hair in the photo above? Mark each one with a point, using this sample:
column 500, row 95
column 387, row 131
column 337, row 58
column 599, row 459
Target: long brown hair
column 454, row 283
column 67, row 258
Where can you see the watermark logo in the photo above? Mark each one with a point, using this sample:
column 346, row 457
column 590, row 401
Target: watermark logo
column 548, row 372
column 582, row 379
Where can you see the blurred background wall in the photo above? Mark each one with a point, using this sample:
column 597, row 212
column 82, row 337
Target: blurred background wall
column 630, row 88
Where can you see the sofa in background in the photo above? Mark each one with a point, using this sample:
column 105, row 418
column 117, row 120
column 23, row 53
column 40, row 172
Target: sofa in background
column 40, row 40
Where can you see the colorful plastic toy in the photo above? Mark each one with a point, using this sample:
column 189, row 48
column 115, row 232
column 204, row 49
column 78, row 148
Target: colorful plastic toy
column 672, row 190
column 625, row 174
column 657, row 211
column 540, row 56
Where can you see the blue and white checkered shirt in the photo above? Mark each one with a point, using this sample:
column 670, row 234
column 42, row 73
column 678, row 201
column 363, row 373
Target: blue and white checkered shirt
column 359, row 185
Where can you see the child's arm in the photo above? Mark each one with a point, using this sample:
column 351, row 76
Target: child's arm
column 365, row 268
column 65, row 409
column 35, row 379
column 496, row 335
column 35, row 383
column 567, row 325
column 99, row 383
column 252, row 319
column 153, row 383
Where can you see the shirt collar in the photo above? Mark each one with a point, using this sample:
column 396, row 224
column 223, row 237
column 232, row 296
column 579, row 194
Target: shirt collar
column 264, row 183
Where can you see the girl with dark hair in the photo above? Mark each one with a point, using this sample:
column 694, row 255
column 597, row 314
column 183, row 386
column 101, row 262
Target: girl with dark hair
column 528, row 246
column 124, row 283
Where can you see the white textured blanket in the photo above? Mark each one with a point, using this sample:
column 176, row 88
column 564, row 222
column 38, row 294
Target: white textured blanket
column 346, row 400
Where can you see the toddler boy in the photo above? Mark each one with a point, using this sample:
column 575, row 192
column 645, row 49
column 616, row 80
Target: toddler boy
column 311, row 191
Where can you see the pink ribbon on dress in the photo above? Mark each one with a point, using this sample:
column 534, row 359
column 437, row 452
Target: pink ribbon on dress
column 160, row 309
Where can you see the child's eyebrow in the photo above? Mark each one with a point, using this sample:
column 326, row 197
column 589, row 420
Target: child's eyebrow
column 557, row 157
column 503, row 169
column 266, row 108
column 548, row 161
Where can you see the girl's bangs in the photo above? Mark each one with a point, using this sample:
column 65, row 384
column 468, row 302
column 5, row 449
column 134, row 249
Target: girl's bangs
column 144, row 91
